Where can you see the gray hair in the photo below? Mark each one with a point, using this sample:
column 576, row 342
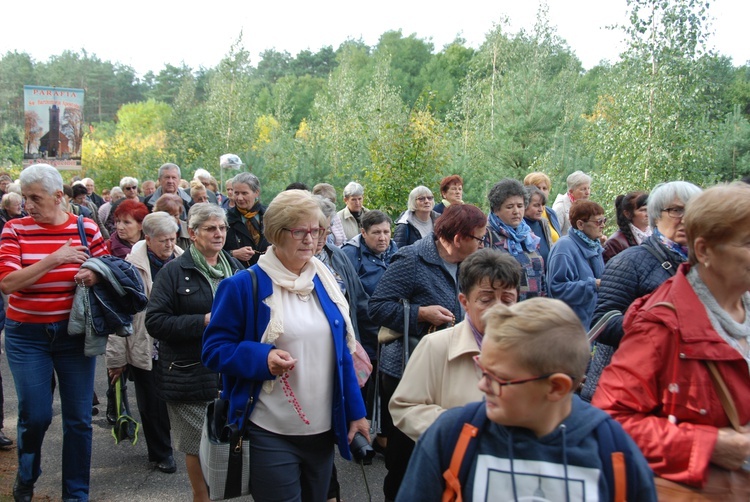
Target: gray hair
column 128, row 180
column 328, row 207
column 116, row 193
column 664, row 194
column 417, row 192
column 159, row 223
column 168, row 167
column 248, row 179
column 45, row 175
column 353, row 189
column 6, row 177
column 325, row 190
column 504, row 189
column 201, row 174
column 531, row 191
column 9, row 198
column 202, row 212
column 15, row 188
column 578, row 178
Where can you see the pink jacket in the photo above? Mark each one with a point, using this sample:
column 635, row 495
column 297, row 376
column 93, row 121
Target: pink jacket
column 660, row 370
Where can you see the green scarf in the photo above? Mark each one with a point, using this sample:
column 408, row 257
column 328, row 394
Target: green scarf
column 213, row 274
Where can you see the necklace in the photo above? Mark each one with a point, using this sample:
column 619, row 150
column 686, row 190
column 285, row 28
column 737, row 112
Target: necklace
column 291, row 398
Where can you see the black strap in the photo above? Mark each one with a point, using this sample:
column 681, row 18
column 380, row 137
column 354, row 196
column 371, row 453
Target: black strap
column 660, row 255
column 82, row 234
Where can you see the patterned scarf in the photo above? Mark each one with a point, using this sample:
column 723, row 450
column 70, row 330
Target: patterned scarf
column 249, row 216
column 516, row 237
column 213, row 273
column 593, row 244
column 679, row 249
column 640, row 235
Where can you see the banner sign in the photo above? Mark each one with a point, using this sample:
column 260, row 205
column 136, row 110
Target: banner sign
column 53, row 125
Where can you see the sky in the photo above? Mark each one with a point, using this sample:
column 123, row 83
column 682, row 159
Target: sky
column 146, row 35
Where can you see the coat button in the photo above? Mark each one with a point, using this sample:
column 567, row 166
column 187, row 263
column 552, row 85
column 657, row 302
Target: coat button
column 187, row 278
column 682, row 355
column 703, row 412
column 336, row 322
column 187, row 290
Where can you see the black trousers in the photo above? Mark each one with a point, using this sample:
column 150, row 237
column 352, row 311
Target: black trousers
column 400, row 446
column 154, row 416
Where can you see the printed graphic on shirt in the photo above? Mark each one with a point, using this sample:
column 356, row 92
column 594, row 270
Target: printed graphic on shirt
column 533, row 481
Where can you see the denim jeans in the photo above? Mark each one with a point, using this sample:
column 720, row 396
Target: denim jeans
column 34, row 352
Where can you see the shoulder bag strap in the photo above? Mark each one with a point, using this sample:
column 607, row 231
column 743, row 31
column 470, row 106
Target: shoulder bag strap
column 82, row 234
column 660, row 255
column 724, row 396
column 407, row 309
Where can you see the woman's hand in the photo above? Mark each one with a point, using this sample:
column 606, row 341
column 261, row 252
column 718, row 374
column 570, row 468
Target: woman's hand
column 243, row 253
column 436, row 315
column 361, row 425
column 732, row 448
column 115, row 374
column 280, row 361
column 86, row 277
column 68, row 253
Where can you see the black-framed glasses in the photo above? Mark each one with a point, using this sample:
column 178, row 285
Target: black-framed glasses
column 674, row 212
column 480, row 239
column 300, row 233
column 601, row 221
column 130, row 188
column 496, row 384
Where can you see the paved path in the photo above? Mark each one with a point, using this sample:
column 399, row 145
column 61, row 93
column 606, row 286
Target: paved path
column 122, row 473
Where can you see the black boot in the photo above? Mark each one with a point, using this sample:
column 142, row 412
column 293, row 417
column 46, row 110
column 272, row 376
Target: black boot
column 22, row 492
column 111, row 405
column 4, row 441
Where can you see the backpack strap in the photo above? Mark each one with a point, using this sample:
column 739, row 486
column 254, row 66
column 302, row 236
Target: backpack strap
column 471, row 423
column 618, row 467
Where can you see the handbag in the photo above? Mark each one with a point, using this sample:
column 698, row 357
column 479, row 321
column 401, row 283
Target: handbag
column 224, row 451
column 362, row 365
column 722, row 485
column 388, row 335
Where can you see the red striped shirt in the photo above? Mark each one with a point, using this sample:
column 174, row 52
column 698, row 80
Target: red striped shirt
column 25, row 242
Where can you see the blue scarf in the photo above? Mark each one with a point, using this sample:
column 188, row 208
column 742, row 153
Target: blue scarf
column 679, row 249
column 516, row 237
column 593, row 244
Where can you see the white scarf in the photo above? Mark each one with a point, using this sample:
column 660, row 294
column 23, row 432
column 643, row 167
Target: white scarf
column 302, row 284
column 640, row 235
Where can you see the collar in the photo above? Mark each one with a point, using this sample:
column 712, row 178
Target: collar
column 462, row 341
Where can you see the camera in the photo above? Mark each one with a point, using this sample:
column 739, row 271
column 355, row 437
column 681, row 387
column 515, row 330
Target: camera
column 361, row 449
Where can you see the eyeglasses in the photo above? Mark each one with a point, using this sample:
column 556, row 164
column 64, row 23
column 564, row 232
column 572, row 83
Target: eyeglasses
column 300, row 233
column 324, row 235
column 601, row 221
column 213, row 229
column 480, row 239
column 130, row 188
column 425, row 197
column 675, row 212
column 496, row 384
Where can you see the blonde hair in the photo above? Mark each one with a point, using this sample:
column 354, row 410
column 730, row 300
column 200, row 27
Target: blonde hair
column 536, row 178
column 287, row 210
column 544, row 335
column 718, row 214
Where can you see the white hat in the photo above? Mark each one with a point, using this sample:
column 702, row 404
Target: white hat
column 230, row 161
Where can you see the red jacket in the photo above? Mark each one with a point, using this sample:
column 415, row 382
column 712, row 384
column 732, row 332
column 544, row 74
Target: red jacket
column 663, row 347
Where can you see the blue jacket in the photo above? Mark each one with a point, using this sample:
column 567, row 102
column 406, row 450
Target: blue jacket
column 552, row 217
column 369, row 266
column 565, row 462
column 572, row 272
column 231, row 346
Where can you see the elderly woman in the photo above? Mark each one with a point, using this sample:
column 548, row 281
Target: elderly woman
column 575, row 263
column 579, row 188
column 40, row 259
column 425, row 274
column 172, row 204
column 178, row 311
column 418, row 220
column 11, row 207
column 441, row 374
column 133, row 356
column 632, row 222
column 452, row 192
column 679, row 382
column 294, row 360
column 351, row 215
column 508, row 232
column 128, row 227
column 543, row 183
column 198, row 192
column 534, row 218
column 337, row 236
column 245, row 239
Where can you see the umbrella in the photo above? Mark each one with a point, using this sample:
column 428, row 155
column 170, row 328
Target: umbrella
column 126, row 426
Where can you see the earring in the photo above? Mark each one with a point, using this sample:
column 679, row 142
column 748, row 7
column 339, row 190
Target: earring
column 706, row 264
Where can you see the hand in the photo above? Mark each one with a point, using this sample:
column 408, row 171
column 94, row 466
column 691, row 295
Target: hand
column 68, row 253
column 86, row 277
column 732, row 448
column 598, row 283
column 207, row 319
column 280, row 361
column 243, row 253
column 115, row 374
column 435, row 315
column 361, row 425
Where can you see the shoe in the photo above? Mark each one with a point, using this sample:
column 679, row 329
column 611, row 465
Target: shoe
column 4, row 441
column 167, row 465
column 378, row 448
column 22, row 492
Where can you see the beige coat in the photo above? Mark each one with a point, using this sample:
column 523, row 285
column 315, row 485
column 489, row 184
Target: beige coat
column 136, row 349
column 440, row 375
column 349, row 222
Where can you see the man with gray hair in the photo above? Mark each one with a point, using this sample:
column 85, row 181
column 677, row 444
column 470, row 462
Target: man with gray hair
column 169, row 179
column 351, row 215
column 579, row 188
column 92, row 196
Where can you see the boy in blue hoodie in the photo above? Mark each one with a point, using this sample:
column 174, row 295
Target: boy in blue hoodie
column 535, row 439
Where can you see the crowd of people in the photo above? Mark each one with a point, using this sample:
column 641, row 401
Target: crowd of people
column 475, row 326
